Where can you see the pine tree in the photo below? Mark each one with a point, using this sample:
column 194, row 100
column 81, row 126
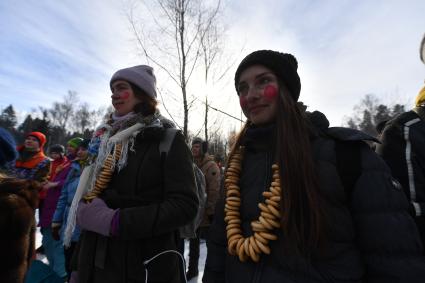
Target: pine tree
column 24, row 128
column 8, row 118
column 370, row 112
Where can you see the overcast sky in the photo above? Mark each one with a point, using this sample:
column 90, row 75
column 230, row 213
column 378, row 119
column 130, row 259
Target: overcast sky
column 345, row 49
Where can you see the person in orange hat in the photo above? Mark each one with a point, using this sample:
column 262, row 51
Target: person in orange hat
column 32, row 163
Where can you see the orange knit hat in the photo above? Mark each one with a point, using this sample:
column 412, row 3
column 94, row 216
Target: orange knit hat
column 39, row 136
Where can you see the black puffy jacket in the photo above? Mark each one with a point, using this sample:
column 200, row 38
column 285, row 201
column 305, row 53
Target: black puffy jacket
column 370, row 237
column 403, row 148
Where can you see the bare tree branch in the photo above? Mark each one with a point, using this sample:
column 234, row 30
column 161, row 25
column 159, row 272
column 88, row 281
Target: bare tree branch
column 171, row 116
column 177, row 45
column 145, row 51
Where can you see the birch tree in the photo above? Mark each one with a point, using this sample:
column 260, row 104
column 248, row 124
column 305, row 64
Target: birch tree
column 173, row 43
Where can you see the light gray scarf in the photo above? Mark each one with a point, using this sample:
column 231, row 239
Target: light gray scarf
column 108, row 141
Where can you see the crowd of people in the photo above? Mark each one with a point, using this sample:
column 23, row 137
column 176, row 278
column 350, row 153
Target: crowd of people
column 298, row 201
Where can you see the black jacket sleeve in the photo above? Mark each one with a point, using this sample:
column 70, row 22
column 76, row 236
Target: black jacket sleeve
column 392, row 150
column 386, row 233
column 403, row 149
column 180, row 202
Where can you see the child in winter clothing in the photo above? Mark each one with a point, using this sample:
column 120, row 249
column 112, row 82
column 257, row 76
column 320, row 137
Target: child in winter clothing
column 72, row 148
column 69, row 188
column 53, row 249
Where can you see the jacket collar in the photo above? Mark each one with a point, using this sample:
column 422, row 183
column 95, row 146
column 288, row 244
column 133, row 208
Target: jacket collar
column 30, row 162
column 320, row 126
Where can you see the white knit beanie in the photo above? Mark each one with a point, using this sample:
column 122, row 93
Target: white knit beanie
column 142, row 76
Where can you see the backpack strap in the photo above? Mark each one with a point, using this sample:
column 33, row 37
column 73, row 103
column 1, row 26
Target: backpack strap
column 348, row 143
column 164, row 148
column 167, row 140
column 348, row 161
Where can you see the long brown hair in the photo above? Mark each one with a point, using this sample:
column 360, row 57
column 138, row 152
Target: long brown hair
column 148, row 105
column 302, row 219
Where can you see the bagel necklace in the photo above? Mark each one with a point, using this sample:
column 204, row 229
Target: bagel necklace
column 105, row 175
column 269, row 219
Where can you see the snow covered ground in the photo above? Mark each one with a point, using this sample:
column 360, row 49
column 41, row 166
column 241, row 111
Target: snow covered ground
column 202, row 257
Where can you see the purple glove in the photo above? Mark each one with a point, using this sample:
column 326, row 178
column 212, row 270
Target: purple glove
column 74, row 277
column 96, row 216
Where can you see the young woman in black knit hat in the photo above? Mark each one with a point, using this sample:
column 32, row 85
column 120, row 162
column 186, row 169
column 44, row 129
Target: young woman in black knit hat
column 304, row 202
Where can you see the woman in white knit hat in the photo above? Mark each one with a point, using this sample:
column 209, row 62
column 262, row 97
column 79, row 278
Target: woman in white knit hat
column 135, row 198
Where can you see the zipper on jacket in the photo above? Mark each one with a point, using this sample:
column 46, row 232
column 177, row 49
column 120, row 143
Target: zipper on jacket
column 267, row 180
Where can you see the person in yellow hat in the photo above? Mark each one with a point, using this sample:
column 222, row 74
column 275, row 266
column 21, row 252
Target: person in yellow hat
column 403, row 148
column 422, row 50
column 420, row 99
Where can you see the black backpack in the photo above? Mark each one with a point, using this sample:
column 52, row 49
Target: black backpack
column 348, row 163
column 189, row 230
column 348, row 143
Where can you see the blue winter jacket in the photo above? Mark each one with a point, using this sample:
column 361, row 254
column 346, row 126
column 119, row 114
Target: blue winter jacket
column 65, row 200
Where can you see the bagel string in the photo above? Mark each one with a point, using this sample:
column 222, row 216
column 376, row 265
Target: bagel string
column 105, row 175
column 253, row 246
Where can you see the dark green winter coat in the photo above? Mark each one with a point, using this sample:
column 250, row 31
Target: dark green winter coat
column 154, row 202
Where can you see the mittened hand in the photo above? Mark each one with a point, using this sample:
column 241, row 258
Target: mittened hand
column 74, row 277
column 95, row 216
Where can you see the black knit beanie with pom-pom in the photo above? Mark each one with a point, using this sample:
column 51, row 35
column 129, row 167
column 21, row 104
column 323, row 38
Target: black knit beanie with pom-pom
column 284, row 65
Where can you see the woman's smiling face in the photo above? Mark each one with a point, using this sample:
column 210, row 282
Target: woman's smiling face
column 258, row 91
column 123, row 98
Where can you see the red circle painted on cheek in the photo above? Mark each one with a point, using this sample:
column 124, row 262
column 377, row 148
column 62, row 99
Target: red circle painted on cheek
column 125, row 95
column 243, row 101
column 270, row 92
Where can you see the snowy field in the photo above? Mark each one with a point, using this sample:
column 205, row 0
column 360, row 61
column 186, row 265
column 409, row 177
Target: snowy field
column 202, row 257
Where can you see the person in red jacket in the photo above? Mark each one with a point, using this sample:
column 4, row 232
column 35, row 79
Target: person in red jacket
column 59, row 170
